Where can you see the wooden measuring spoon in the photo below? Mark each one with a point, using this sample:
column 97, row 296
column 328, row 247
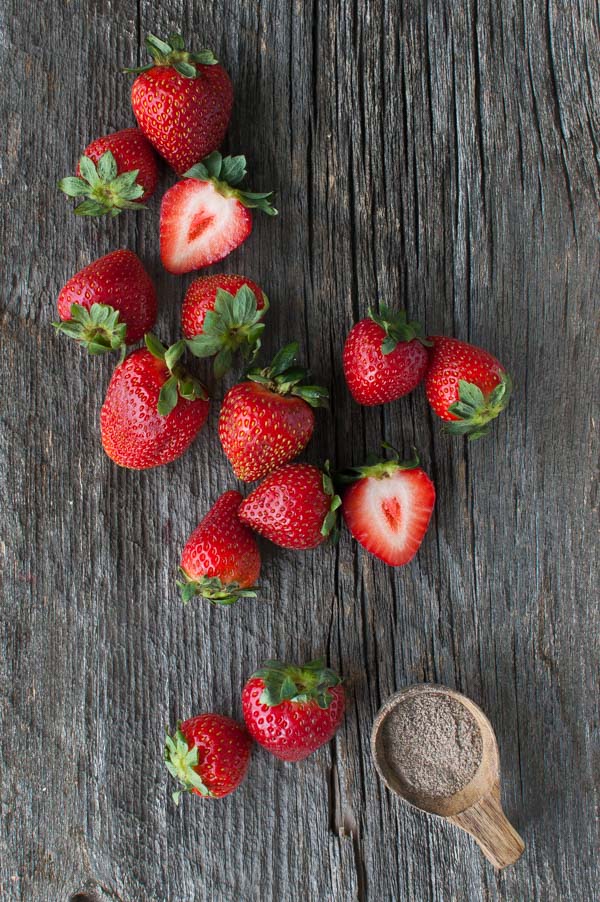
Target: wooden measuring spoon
column 476, row 808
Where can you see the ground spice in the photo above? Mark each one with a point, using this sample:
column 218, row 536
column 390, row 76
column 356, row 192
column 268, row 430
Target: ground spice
column 433, row 744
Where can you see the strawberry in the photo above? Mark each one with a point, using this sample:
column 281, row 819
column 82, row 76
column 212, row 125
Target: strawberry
column 292, row 711
column 116, row 172
column 294, row 507
column 388, row 508
column 385, row 357
column 221, row 560
column 109, row 303
column 466, row 385
column 153, row 409
column 206, row 216
column 209, row 755
column 221, row 314
column 267, row 420
column 182, row 101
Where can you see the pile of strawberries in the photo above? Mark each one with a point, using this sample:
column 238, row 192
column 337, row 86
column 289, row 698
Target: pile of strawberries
column 155, row 407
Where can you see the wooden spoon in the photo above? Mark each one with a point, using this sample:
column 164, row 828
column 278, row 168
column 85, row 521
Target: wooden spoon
column 476, row 808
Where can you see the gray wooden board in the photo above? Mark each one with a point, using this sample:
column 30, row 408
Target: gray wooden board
column 440, row 155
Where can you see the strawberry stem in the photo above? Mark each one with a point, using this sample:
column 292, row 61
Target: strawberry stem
column 98, row 329
column 475, row 411
column 292, row 683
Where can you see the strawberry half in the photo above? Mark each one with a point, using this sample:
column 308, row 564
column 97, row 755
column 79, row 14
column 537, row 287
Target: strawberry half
column 182, row 101
column 388, row 508
column 153, row 408
column 206, row 216
column 221, row 560
column 385, row 357
column 294, row 507
column 116, row 172
column 291, row 711
column 466, row 386
column 209, row 755
column 222, row 314
column 108, row 303
column 267, row 420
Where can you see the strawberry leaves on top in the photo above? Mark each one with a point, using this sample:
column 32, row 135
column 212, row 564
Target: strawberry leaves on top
column 475, row 411
column 181, row 762
column 226, row 173
column 173, row 53
column 397, row 328
column 98, row 329
column 290, row 683
column 284, row 377
column 106, row 191
column 180, row 383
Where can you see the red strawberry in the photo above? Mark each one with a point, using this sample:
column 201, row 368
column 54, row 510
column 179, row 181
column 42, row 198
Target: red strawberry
column 221, row 314
column 209, row 755
column 292, row 711
column 466, row 385
column 182, row 101
column 388, row 508
column 153, row 409
column 267, row 420
column 206, row 216
column 110, row 302
column 294, row 507
column 116, row 172
column 221, row 560
column 384, row 357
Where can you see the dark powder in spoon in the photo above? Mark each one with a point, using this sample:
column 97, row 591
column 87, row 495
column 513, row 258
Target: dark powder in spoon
column 433, row 744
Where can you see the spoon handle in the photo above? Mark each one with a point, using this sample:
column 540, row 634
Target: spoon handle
column 493, row 832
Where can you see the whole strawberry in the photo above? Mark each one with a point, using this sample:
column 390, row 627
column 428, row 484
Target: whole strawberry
column 153, row 409
column 294, row 507
column 182, row 101
column 388, row 506
column 116, row 172
column 221, row 560
column 209, row 755
column 267, row 420
column 292, row 711
column 222, row 314
column 207, row 215
column 108, row 303
column 385, row 357
column 466, row 386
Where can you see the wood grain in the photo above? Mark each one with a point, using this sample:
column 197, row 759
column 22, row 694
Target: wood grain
column 440, row 155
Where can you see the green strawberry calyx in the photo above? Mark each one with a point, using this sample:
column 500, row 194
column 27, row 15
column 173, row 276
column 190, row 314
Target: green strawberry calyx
column 180, row 383
column 106, row 189
column 329, row 526
column 181, row 762
column 475, row 411
column 226, row 173
column 377, row 467
column 98, row 329
column 234, row 324
column 173, row 53
column 291, row 683
column 397, row 328
column 284, row 377
column 213, row 589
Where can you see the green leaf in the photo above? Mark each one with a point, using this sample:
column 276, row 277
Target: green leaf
column 73, row 187
column 156, row 347
column 213, row 163
column 233, row 170
column 107, row 167
column 90, row 208
column 198, row 171
column 470, row 394
column 186, row 70
column 462, row 410
column 388, row 345
column 222, row 362
column 168, row 397
column 129, row 194
column 224, row 306
column 125, row 180
column 244, row 305
column 173, row 353
column 154, row 43
column 204, row 58
column 284, row 359
column 88, row 171
column 204, row 345
column 176, row 41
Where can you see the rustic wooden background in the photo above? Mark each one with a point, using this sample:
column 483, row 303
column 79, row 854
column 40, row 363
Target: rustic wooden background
column 439, row 155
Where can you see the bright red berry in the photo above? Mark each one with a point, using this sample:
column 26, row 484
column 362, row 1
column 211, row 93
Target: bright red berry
column 292, row 711
column 153, row 409
column 466, row 386
column 294, row 507
column 388, row 508
column 221, row 560
column 385, row 357
column 267, row 420
column 182, row 102
column 206, row 216
column 116, row 172
column 209, row 755
column 110, row 302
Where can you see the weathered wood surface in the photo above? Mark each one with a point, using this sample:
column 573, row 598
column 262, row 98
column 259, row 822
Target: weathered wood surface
column 442, row 155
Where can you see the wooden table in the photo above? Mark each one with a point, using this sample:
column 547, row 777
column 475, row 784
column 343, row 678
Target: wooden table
column 436, row 155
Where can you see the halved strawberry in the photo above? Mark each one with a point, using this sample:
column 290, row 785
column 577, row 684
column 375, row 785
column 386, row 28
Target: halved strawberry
column 206, row 216
column 388, row 508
